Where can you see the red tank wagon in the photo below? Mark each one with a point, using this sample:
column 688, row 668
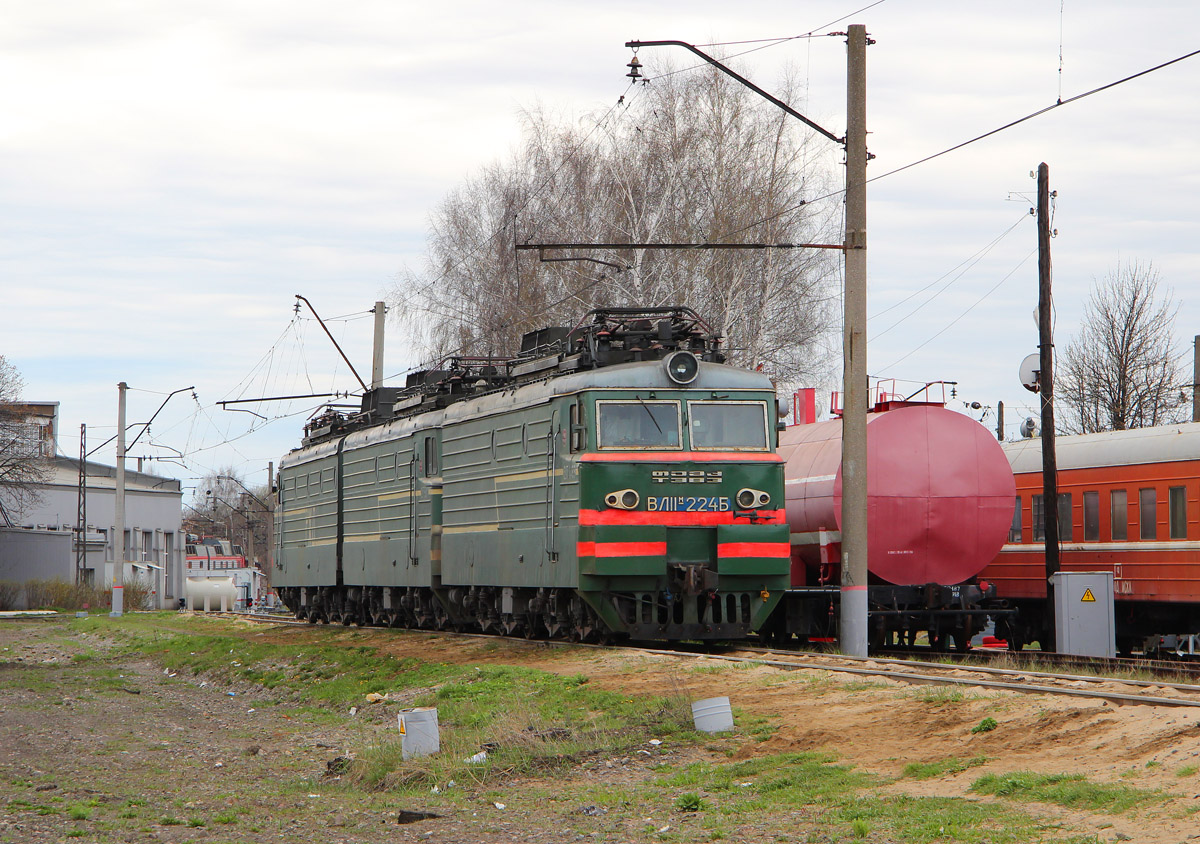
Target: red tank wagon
column 1128, row 503
column 939, row 503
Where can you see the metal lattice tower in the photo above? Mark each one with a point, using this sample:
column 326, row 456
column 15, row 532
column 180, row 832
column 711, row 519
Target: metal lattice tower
column 81, row 528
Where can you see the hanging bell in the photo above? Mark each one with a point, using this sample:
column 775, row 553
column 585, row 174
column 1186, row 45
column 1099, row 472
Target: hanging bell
column 635, row 69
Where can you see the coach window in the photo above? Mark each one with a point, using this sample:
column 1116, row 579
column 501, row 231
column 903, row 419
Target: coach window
column 1119, row 513
column 1014, row 533
column 1091, row 517
column 1039, row 519
column 1178, row 512
column 1147, row 512
column 1065, row 522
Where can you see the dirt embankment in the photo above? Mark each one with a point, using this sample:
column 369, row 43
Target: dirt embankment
column 113, row 749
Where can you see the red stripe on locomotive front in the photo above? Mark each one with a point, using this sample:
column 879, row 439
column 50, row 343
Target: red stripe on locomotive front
column 754, row 549
column 629, row 549
column 677, row 518
column 679, row 457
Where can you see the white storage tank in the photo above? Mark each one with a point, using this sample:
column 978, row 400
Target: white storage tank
column 205, row 593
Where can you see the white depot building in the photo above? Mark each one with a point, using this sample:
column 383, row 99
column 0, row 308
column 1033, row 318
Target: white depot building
column 43, row 542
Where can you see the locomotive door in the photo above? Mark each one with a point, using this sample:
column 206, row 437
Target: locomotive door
column 553, row 484
column 427, row 503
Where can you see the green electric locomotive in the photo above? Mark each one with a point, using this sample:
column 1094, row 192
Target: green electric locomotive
column 614, row 479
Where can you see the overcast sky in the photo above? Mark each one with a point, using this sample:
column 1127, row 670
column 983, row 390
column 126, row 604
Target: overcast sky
column 171, row 174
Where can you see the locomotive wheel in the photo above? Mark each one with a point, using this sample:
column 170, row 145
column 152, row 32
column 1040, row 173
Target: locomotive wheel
column 441, row 619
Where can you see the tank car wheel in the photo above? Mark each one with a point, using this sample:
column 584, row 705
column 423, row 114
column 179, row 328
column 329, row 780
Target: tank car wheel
column 780, row 637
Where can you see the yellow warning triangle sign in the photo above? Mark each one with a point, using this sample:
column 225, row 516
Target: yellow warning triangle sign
column 403, row 733
column 1087, row 596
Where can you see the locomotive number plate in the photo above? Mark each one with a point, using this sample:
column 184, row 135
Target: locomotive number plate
column 688, row 503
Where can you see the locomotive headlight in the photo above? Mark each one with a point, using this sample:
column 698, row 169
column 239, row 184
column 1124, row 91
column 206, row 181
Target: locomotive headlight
column 749, row 499
column 682, row 367
column 624, row 499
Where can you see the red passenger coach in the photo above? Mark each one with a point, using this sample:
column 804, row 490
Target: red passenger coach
column 939, row 504
column 1128, row 503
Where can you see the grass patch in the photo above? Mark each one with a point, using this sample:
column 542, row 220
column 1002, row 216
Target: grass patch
column 1070, row 790
column 941, row 695
column 528, row 721
column 843, row 799
column 932, row 770
column 985, row 726
column 524, row 722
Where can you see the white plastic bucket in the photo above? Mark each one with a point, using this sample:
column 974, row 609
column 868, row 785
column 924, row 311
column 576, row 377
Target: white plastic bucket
column 712, row 715
column 418, row 732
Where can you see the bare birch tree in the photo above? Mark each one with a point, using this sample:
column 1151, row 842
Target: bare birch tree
column 1121, row 369
column 691, row 158
column 23, row 468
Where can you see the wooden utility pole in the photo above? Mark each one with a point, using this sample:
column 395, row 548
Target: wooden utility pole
column 1196, row 378
column 852, row 630
column 1046, row 383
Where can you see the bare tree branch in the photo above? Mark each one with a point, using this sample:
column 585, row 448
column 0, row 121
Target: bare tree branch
column 23, row 468
column 696, row 158
column 1121, row 371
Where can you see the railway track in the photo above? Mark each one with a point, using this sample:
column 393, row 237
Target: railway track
column 1117, row 690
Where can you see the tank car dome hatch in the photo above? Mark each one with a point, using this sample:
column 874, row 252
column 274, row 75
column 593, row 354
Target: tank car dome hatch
column 939, row 493
column 682, row 367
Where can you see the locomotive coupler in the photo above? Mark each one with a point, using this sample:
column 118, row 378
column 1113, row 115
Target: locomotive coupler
column 693, row 578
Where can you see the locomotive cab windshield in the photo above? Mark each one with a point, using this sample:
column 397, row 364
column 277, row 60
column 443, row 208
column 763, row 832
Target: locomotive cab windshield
column 728, row 425
column 638, row 424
